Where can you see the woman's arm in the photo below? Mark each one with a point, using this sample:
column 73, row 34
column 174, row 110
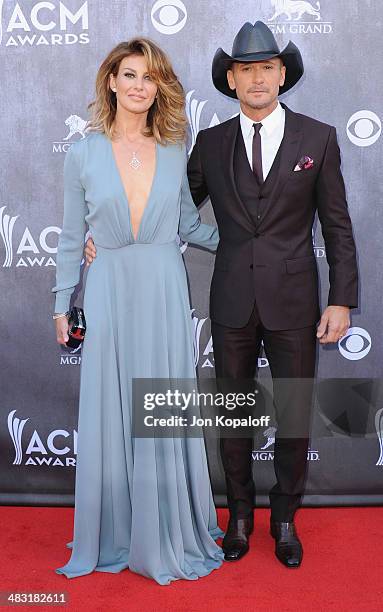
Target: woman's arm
column 71, row 240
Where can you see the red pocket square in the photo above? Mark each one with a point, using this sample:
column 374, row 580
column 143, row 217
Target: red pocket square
column 305, row 163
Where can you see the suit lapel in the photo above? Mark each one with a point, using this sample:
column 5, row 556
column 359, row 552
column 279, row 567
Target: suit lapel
column 228, row 148
column 288, row 157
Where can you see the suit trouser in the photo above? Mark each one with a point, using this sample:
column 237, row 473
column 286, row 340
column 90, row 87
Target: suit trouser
column 291, row 355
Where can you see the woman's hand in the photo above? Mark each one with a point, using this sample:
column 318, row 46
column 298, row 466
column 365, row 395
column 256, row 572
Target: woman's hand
column 62, row 330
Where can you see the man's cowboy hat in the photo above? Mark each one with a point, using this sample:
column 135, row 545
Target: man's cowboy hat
column 254, row 43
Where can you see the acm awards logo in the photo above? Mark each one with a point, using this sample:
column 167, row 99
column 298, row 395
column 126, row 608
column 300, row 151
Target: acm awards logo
column 32, row 251
column 75, row 126
column 379, row 432
column 206, row 355
column 51, row 450
column 208, row 350
column 169, row 17
column 42, row 23
column 194, row 108
column 263, row 454
column 297, row 17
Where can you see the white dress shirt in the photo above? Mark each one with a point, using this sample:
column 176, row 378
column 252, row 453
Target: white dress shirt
column 272, row 130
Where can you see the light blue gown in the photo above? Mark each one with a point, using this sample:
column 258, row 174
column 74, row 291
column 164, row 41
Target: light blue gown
column 140, row 503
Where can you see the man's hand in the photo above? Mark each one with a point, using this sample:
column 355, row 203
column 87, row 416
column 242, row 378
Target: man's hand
column 334, row 324
column 90, row 251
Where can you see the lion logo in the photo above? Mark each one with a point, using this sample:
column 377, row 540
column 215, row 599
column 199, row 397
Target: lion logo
column 76, row 125
column 294, row 7
column 270, row 435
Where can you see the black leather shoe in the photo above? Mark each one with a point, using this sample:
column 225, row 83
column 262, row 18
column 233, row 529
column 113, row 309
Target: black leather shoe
column 288, row 547
column 236, row 541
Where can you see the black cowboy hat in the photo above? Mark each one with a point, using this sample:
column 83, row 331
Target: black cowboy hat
column 254, row 43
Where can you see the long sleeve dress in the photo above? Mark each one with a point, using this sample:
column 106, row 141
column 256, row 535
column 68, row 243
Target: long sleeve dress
column 140, row 503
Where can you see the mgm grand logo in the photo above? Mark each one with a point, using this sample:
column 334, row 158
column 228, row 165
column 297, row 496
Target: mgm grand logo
column 75, row 127
column 266, row 453
column 297, row 17
column 318, row 248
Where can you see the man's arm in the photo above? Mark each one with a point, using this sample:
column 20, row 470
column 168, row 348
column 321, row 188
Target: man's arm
column 197, row 182
column 336, row 228
column 340, row 247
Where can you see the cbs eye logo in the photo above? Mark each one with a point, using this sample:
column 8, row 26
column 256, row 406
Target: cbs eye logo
column 356, row 344
column 364, row 128
column 169, row 16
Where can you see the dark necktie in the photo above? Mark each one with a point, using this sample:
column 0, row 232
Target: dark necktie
column 257, row 153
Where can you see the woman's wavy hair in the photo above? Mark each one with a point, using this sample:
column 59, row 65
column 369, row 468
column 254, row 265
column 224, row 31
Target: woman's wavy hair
column 166, row 117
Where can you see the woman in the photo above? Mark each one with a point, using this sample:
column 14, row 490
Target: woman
column 141, row 503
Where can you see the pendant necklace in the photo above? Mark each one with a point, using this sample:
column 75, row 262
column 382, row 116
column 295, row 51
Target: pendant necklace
column 135, row 163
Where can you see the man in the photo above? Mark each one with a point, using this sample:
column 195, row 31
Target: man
column 267, row 173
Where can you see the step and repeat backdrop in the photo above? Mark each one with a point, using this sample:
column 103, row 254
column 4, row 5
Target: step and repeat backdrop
column 49, row 56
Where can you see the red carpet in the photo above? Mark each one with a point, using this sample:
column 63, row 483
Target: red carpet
column 342, row 568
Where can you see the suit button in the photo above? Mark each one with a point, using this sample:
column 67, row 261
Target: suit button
column 251, row 266
column 258, row 216
column 256, row 235
column 262, row 197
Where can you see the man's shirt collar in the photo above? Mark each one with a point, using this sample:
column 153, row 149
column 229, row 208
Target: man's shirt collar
column 269, row 123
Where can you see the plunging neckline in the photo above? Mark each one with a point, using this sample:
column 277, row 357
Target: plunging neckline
column 135, row 237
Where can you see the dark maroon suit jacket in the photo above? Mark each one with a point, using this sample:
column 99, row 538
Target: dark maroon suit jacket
column 272, row 261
